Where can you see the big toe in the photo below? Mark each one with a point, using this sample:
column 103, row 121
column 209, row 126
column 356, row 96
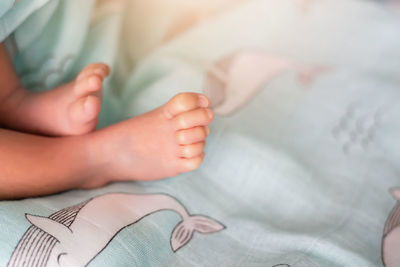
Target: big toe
column 91, row 84
column 185, row 102
column 194, row 118
column 100, row 69
column 91, row 78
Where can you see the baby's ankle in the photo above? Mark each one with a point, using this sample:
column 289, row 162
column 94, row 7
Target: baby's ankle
column 99, row 160
column 10, row 103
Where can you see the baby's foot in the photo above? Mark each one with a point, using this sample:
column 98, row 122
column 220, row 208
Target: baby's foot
column 162, row 143
column 71, row 109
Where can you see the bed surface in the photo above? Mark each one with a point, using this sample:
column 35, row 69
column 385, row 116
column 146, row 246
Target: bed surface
column 300, row 162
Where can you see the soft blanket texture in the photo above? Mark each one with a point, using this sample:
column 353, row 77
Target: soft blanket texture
column 299, row 163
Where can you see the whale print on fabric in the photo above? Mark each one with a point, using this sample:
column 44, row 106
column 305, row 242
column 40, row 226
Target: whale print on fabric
column 304, row 5
column 75, row 236
column 233, row 81
column 391, row 237
column 393, row 4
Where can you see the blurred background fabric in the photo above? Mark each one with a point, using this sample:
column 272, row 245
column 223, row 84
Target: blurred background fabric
column 305, row 146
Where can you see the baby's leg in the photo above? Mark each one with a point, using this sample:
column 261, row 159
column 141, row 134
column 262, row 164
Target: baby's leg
column 71, row 109
column 33, row 165
column 162, row 143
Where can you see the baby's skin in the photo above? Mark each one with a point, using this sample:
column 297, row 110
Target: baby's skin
column 50, row 144
column 161, row 143
column 71, row 109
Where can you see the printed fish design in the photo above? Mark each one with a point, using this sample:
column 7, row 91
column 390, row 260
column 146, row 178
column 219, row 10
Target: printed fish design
column 75, row 236
column 391, row 237
column 234, row 81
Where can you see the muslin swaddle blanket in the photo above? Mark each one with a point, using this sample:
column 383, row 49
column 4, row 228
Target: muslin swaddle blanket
column 300, row 161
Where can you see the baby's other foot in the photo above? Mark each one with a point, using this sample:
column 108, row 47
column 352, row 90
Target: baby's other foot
column 161, row 143
column 71, row 109
column 84, row 111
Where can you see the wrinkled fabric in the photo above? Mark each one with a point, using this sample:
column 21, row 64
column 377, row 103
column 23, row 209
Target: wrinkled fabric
column 298, row 167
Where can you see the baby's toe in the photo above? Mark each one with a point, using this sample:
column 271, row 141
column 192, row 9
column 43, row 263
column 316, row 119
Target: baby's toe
column 191, row 151
column 185, row 102
column 192, row 136
column 83, row 114
column 194, row 118
column 100, row 69
column 188, row 165
column 90, row 84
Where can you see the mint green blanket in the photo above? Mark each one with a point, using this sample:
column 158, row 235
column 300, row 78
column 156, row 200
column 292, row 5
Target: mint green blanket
column 302, row 155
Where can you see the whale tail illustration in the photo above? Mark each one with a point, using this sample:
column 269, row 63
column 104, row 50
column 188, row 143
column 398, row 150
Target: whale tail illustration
column 308, row 74
column 184, row 231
